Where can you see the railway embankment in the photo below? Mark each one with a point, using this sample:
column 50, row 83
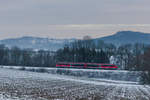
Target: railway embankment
column 118, row 75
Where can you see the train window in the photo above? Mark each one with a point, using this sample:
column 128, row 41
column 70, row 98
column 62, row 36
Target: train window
column 63, row 64
column 77, row 64
column 66, row 64
column 90, row 65
column 108, row 65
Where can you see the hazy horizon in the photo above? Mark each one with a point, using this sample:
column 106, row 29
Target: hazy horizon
column 76, row 31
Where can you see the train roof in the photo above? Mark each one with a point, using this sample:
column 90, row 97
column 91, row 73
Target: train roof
column 82, row 63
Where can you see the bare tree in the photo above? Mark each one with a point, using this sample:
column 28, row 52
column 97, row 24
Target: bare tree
column 146, row 67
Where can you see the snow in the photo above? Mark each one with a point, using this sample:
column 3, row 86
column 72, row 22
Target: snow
column 61, row 41
column 4, row 96
column 112, row 60
column 33, row 41
column 119, row 75
column 27, row 85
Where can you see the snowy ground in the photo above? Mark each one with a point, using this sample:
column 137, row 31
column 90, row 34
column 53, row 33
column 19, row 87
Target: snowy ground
column 120, row 75
column 25, row 85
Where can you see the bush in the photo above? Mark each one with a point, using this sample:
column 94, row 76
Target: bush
column 146, row 67
column 145, row 78
column 22, row 68
column 42, row 70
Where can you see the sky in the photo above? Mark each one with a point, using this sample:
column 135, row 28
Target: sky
column 72, row 18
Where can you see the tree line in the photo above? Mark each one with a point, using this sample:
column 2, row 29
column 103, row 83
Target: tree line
column 135, row 57
column 25, row 57
column 128, row 56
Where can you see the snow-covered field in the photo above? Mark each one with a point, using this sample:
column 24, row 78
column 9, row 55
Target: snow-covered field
column 120, row 75
column 25, row 85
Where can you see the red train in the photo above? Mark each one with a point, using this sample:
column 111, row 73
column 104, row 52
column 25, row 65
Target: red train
column 86, row 65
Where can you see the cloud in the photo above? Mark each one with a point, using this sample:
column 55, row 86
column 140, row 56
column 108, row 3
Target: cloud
column 74, row 11
column 73, row 18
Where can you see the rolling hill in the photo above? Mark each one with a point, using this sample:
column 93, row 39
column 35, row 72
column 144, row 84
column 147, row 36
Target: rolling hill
column 36, row 43
column 126, row 37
